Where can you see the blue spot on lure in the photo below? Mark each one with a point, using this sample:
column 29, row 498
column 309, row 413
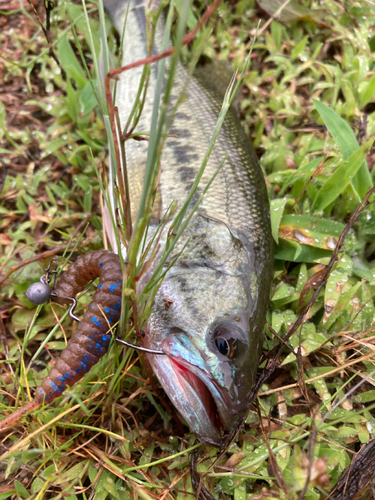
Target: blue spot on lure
column 90, row 340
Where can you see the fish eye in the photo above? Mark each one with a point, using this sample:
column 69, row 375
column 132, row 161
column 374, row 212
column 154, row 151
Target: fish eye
column 225, row 346
column 228, row 339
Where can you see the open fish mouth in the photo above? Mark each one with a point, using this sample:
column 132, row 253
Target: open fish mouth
column 200, row 400
column 186, row 376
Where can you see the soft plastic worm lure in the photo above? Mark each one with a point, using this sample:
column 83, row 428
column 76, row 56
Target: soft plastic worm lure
column 90, row 340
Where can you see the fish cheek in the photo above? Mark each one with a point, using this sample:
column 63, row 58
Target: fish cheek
column 235, row 365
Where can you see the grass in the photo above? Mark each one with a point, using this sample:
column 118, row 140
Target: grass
column 307, row 103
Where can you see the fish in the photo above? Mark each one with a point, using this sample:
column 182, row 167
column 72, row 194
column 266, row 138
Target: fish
column 209, row 313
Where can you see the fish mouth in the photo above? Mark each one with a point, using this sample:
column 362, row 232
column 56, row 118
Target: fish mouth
column 201, row 401
column 187, row 376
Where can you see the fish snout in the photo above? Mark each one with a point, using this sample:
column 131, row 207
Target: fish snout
column 186, row 376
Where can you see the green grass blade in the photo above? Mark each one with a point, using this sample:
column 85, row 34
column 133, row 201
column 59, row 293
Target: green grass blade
column 340, row 179
column 347, row 144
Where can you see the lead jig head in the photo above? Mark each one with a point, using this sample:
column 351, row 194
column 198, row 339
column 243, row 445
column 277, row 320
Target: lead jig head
column 40, row 292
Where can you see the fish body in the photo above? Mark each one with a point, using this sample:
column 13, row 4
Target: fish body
column 218, row 290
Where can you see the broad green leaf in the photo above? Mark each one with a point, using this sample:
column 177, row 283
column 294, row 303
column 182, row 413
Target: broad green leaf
column 346, row 416
column 363, row 433
column 369, row 93
column 284, row 318
column 21, row 490
column 346, row 431
column 364, row 397
column 338, row 181
column 37, row 486
column 310, row 341
column 298, row 49
column 361, row 270
column 148, row 452
column 321, row 388
column 283, row 291
column 341, row 304
column 347, row 144
column 70, row 63
column 7, row 494
column 49, row 471
column 87, row 201
column 71, row 101
column 73, row 474
column 240, row 493
column 101, row 494
column 277, row 210
column 287, row 250
column 87, row 100
column 313, row 231
column 335, row 283
column 302, row 278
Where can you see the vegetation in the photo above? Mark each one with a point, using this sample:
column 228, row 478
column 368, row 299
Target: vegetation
column 307, row 103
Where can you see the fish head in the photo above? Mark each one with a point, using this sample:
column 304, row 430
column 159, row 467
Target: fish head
column 205, row 320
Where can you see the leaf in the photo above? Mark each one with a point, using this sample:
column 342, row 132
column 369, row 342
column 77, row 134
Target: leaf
column 289, row 13
column 240, row 493
column 335, row 283
column 342, row 176
column 87, row 100
column 361, row 270
column 298, row 49
column 313, row 231
column 346, row 416
column 369, row 93
column 70, row 63
column 76, row 13
column 347, row 143
column 21, row 490
column 321, row 388
column 37, row 486
column 7, row 494
column 368, row 309
column 363, row 433
column 346, row 431
column 287, row 251
column 73, row 474
column 302, row 173
column 191, row 20
column 364, row 397
column 283, row 291
column 341, row 304
column 277, row 210
column 71, row 101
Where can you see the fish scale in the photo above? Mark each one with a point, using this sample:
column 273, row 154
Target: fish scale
column 218, row 290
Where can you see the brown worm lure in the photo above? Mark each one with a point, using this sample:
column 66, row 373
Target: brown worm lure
column 90, row 340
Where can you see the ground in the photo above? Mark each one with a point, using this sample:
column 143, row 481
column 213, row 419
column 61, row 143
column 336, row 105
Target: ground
column 307, row 104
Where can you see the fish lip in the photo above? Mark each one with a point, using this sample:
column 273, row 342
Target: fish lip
column 218, row 401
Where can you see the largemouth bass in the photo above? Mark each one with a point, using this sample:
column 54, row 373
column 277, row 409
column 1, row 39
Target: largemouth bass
column 218, row 291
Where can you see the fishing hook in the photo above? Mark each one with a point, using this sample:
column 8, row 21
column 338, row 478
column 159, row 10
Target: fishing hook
column 139, row 348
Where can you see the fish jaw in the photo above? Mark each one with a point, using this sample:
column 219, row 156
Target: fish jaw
column 207, row 407
column 192, row 400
